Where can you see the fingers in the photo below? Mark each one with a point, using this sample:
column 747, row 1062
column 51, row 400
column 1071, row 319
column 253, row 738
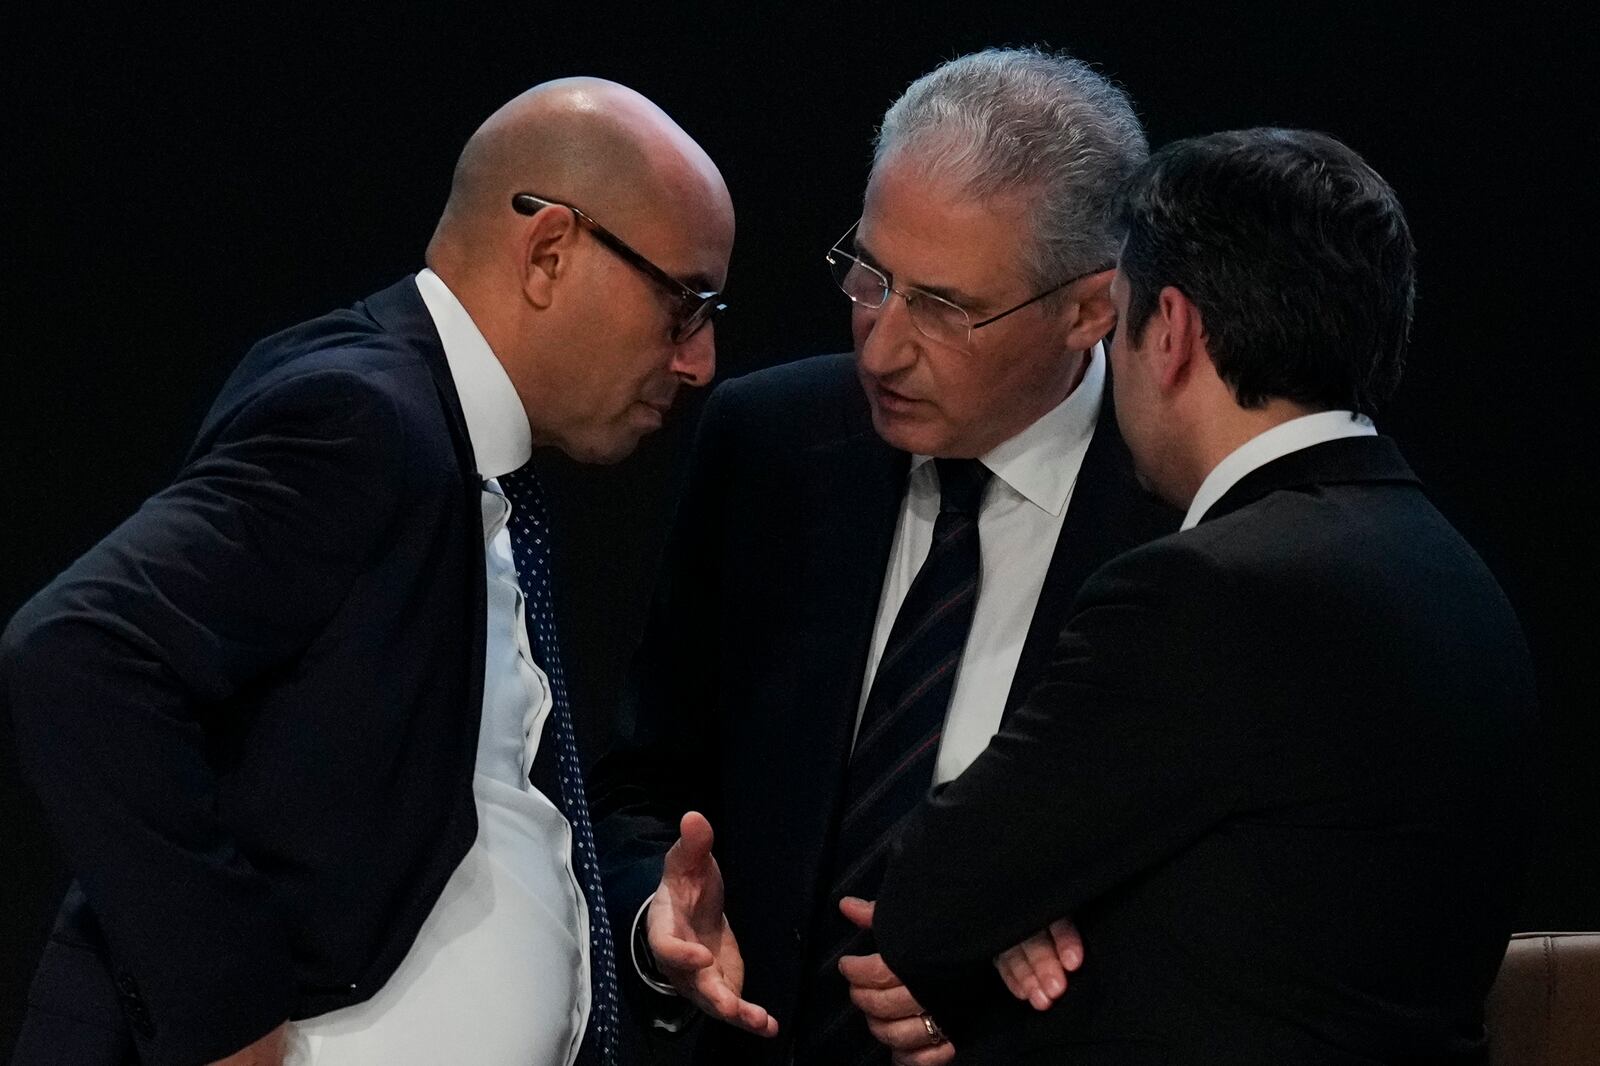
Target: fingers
column 885, row 1004
column 676, row 953
column 867, row 971
column 1032, row 972
column 1036, row 969
column 693, row 845
column 858, row 911
column 1068, row 942
column 755, row 1019
column 695, row 829
column 906, row 1036
column 1012, row 965
column 1040, row 951
column 708, row 991
column 893, row 1015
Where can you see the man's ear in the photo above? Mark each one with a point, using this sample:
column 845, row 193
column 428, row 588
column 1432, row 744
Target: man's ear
column 1089, row 314
column 1181, row 340
column 547, row 243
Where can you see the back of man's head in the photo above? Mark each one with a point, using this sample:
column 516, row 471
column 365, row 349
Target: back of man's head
column 1296, row 253
column 1008, row 121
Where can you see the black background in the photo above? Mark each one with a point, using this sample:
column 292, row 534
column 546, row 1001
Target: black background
column 180, row 185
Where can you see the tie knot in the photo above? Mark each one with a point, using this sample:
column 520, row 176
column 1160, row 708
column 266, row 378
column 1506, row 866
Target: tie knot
column 961, row 483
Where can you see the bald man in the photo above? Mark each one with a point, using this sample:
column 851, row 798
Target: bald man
column 299, row 722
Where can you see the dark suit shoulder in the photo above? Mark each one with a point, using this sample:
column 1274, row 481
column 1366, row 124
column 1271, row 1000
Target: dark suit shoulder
column 1339, row 529
column 1308, row 579
column 799, row 404
column 345, row 342
column 334, row 372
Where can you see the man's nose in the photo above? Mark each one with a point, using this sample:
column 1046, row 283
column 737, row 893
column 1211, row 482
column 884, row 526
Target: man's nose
column 695, row 359
column 886, row 339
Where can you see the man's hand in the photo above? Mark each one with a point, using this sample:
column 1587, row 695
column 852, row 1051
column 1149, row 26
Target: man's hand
column 689, row 935
column 894, row 1018
column 1036, row 969
column 268, row 1051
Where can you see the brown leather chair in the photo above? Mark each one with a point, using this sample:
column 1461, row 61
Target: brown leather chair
column 1544, row 1009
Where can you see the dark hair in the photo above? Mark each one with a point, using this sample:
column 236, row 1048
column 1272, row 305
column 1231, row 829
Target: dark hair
column 1296, row 253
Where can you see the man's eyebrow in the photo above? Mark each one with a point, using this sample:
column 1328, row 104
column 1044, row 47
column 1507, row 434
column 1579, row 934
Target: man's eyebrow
column 961, row 299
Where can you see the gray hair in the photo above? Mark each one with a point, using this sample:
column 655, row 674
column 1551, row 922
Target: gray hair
column 1024, row 120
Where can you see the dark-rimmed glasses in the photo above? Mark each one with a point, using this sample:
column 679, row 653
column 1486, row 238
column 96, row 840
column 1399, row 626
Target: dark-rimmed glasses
column 934, row 317
column 692, row 310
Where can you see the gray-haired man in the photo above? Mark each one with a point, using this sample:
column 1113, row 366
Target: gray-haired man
column 871, row 563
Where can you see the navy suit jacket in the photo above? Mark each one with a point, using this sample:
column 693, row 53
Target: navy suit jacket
column 1277, row 771
column 744, row 701
column 251, row 711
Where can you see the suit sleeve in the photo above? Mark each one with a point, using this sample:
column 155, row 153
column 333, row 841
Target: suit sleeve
column 663, row 760
column 113, row 671
column 1118, row 759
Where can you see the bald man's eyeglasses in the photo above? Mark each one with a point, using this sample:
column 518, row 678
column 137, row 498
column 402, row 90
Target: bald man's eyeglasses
column 692, row 309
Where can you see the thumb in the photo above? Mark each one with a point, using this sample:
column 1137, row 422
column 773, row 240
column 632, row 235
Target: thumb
column 694, row 843
column 859, row 911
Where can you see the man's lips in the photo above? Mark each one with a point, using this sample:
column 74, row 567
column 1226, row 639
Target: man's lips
column 892, row 398
column 660, row 404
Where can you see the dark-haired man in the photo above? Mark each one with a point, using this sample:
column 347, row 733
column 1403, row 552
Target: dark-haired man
column 1275, row 771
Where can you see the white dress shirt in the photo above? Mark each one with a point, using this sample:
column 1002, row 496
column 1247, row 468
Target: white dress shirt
column 1024, row 506
column 499, row 973
column 1275, row 443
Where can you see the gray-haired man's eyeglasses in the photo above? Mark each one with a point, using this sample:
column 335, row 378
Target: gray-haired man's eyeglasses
column 934, row 317
column 693, row 309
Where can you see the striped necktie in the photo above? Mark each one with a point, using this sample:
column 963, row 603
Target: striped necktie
column 530, row 549
column 891, row 765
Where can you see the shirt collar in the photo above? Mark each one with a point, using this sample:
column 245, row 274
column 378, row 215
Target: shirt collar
column 497, row 423
column 1037, row 463
column 1275, row 443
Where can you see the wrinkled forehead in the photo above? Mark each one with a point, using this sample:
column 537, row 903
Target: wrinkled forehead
column 927, row 227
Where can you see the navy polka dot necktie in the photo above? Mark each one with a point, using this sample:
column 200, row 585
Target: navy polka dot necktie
column 530, row 550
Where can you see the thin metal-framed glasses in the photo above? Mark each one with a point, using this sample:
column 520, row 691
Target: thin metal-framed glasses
column 934, row 317
column 692, row 310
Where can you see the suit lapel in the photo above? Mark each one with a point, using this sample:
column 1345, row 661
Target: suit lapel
column 851, row 513
column 400, row 311
column 851, row 500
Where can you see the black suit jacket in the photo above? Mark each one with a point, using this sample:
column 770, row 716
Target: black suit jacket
column 1276, row 772
column 746, row 688
column 252, row 710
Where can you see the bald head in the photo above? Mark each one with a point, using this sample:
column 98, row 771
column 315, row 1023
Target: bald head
column 591, row 333
column 585, row 141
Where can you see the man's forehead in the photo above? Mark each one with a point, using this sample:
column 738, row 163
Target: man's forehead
column 931, row 235
column 690, row 241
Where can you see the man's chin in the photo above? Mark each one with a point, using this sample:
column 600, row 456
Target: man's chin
column 603, row 451
column 913, row 435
